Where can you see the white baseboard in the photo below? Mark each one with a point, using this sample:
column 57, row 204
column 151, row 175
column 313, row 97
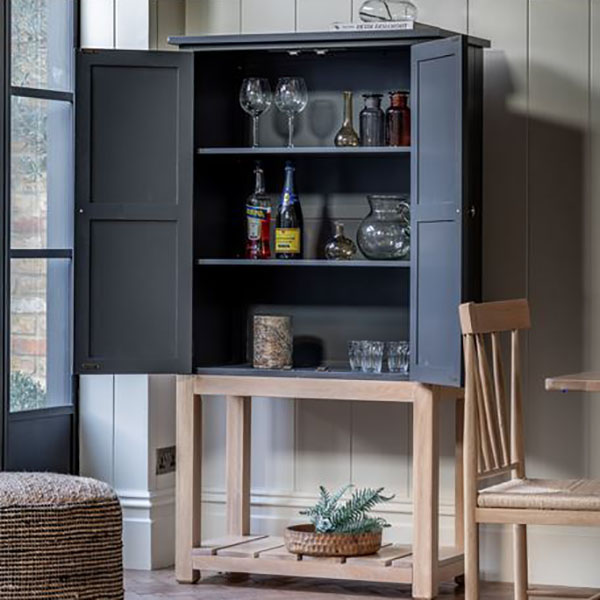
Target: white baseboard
column 148, row 528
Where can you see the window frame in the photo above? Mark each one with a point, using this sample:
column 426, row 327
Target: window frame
column 6, row 252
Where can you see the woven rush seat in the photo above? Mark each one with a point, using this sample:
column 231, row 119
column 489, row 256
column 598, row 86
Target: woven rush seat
column 542, row 494
column 60, row 538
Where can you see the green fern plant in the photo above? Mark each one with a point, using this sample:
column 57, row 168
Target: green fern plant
column 330, row 515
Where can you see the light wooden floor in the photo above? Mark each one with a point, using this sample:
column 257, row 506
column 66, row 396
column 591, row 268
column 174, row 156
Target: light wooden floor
column 159, row 585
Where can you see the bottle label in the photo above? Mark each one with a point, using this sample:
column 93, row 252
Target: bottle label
column 257, row 219
column 287, row 241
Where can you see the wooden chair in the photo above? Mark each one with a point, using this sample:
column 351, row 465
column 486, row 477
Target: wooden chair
column 494, row 447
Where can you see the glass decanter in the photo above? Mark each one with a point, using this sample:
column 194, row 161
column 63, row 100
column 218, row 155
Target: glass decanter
column 372, row 121
column 377, row 11
column 340, row 247
column 346, row 136
column 384, row 234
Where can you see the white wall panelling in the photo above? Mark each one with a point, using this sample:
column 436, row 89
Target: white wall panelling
column 132, row 24
column 541, row 239
column 167, row 17
column 316, row 15
column 124, row 419
column 213, row 16
column 97, row 23
column 262, row 16
column 96, row 426
column 323, row 444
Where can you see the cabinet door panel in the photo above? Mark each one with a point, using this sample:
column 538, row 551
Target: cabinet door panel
column 438, row 193
column 134, row 257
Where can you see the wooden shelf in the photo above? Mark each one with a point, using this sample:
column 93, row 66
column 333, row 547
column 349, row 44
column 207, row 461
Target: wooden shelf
column 267, row 555
column 337, row 264
column 306, row 373
column 306, row 151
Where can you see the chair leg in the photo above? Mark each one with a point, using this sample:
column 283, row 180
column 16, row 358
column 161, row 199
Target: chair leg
column 520, row 559
column 471, row 560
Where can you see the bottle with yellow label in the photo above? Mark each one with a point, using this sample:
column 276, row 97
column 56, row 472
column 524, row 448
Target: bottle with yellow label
column 289, row 228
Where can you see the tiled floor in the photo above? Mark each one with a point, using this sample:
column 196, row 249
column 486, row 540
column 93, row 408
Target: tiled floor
column 158, row 585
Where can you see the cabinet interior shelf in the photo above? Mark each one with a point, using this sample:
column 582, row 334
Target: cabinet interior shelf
column 243, row 262
column 306, row 151
column 333, row 372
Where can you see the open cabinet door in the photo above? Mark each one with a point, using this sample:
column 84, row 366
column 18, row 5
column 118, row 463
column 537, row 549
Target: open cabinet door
column 134, row 212
column 442, row 230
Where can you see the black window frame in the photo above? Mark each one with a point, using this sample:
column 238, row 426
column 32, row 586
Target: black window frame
column 6, row 254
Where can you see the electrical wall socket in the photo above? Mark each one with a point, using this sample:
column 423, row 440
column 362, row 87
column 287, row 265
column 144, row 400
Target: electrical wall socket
column 165, row 460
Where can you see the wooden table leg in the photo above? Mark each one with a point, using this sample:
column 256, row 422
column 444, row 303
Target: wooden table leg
column 188, row 478
column 426, row 466
column 238, row 465
column 459, row 478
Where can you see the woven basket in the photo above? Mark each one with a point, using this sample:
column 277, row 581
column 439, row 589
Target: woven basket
column 302, row 539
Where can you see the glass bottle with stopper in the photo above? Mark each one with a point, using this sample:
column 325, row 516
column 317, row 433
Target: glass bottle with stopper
column 340, row 247
column 258, row 217
column 347, row 136
column 397, row 126
column 372, row 121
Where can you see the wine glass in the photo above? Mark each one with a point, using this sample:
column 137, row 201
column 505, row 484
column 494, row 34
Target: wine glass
column 291, row 98
column 255, row 98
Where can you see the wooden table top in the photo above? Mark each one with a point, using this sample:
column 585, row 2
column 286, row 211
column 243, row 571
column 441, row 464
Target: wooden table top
column 317, row 388
column 578, row 382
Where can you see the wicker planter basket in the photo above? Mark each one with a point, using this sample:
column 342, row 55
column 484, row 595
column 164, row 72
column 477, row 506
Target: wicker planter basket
column 302, row 539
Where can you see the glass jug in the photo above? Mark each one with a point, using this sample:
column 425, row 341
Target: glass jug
column 384, row 234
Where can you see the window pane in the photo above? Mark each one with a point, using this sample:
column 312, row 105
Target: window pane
column 41, row 182
column 42, row 43
column 40, row 331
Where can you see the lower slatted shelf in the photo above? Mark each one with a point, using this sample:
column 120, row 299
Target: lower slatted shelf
column 267, row 555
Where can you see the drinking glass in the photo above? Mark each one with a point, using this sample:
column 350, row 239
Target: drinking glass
column 255, row 98
column 291, row 98
column 398, row 357
column 372, row 357
column 355, row 350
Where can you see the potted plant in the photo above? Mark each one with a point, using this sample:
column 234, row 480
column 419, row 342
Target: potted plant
column 339, row 528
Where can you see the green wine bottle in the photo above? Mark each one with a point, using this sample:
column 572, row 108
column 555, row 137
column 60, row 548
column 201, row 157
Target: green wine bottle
column 289, row 227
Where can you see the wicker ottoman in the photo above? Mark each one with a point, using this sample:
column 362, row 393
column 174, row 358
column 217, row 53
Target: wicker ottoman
column 60, row 538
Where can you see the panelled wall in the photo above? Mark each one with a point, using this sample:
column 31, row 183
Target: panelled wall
column 542, row 240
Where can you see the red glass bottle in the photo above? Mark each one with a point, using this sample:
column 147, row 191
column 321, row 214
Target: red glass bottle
column 398, row 120
column 258, row 215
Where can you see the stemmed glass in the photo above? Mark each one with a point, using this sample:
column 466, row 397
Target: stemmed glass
column 291, row 98
column 255, row 98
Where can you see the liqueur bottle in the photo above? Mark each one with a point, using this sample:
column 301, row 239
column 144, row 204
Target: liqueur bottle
column 289, row 226
column 258, row 215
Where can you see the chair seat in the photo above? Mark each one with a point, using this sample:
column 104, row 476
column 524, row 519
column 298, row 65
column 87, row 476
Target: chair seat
column 542, row 494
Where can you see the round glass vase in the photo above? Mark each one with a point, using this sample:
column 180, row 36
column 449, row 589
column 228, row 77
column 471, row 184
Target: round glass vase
column 384, row 233
column 378, row 11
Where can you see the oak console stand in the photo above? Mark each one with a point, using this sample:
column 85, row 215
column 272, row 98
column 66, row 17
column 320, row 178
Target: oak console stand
column 423, row 565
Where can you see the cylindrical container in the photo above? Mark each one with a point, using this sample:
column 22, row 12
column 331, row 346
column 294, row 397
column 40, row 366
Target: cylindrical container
column 272, row 342
column 372, row 121
column 397, row 120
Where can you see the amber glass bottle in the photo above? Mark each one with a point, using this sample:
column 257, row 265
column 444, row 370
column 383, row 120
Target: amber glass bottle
column 398, row 120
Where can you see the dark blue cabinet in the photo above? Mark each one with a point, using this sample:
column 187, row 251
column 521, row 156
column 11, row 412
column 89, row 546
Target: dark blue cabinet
column 164, row 168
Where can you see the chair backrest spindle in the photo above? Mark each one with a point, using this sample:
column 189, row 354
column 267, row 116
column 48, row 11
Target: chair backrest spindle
column 494, row 447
